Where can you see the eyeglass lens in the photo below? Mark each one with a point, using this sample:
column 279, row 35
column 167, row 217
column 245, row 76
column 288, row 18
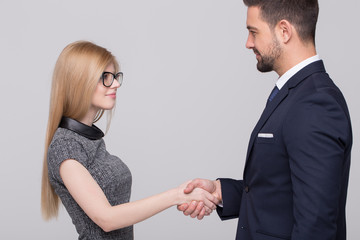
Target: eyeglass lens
column 108, row 78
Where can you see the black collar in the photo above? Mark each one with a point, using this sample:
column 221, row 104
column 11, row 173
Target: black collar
column 92, row 133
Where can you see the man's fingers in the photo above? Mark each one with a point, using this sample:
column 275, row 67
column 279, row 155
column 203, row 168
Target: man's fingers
column 191, row 208
column 197, row 210
column 183, row 207
column 208, row 211
column 201, row 214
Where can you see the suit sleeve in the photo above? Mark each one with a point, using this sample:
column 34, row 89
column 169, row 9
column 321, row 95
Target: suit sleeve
column 231, row 191
column 317, row 133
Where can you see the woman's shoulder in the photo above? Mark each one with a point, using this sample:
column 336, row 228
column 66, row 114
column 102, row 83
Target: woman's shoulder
column 65, row 135
column 67, row 140
column 73, row 144
column 67, row 145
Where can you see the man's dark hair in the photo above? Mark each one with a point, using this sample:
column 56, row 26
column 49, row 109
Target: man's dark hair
column 303, row 14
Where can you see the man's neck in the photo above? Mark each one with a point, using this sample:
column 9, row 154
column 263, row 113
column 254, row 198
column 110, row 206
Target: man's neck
column 292, row 71
column 293, row 56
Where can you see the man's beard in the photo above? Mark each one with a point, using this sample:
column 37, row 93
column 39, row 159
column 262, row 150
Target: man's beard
column 267, row 61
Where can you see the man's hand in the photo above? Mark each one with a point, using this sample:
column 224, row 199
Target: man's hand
column 196, row 209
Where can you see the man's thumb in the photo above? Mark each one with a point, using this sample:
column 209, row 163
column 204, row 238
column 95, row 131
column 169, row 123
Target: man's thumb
column 189, row 188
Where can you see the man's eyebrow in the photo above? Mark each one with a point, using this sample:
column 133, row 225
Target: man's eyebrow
column 251, row 27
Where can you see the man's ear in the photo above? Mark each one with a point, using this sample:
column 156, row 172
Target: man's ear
column 285, row 30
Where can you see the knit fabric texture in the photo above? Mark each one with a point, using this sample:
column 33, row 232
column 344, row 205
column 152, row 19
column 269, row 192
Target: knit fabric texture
column 112, row 175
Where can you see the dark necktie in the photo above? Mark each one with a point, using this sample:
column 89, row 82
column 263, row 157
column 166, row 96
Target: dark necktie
column 273, row 93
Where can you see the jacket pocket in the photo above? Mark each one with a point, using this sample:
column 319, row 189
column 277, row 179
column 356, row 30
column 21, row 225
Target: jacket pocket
column 264, row 140
column 273, row 235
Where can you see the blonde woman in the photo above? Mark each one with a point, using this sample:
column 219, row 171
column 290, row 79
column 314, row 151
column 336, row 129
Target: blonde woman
column 93, row 185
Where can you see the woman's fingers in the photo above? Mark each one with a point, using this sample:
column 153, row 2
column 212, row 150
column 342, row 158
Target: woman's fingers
column 209, row 199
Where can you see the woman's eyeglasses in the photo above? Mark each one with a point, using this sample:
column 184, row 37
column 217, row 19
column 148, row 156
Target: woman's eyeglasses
column 108, row 78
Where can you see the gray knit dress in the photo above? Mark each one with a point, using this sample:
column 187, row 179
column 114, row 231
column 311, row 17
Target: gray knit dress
column 84, row 144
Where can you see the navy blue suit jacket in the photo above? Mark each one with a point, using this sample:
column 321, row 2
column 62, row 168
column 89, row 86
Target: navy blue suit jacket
column 297, row 166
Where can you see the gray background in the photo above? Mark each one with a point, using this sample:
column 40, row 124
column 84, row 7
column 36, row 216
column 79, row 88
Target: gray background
column 190, row 99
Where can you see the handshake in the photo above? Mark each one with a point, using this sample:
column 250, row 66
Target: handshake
column 199, row 197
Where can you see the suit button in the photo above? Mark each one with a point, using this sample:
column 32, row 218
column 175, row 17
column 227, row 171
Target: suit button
column 247, row 189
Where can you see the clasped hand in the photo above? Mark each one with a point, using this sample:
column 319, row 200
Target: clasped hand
column 211, row 192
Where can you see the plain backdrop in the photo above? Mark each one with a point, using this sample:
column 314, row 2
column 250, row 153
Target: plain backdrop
column 190, row 99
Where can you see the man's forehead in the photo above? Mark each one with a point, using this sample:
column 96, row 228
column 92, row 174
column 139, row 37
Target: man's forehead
column 253, row 12
column 252, row 15
column 253, row 20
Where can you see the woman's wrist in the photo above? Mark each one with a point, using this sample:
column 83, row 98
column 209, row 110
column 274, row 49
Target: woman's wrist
column 176, row 195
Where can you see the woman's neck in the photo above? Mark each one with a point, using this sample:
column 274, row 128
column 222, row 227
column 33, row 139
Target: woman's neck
column 88, row 119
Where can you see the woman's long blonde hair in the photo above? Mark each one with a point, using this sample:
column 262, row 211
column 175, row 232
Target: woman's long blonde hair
column 76, row 75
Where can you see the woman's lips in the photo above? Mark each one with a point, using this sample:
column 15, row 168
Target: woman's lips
column 112, row 95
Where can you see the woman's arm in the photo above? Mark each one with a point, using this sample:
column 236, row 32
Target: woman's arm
column 90, row 197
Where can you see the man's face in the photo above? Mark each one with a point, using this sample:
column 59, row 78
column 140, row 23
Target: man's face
column 262, row 40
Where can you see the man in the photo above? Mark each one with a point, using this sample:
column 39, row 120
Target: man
column 297, row 165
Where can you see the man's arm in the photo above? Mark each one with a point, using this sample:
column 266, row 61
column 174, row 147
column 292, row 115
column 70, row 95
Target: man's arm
column 317, row 134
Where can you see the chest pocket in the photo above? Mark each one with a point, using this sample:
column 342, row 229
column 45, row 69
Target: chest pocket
column 265, row 138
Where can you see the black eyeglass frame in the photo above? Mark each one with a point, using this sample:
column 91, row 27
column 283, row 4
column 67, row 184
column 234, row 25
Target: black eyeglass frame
column 118, row 76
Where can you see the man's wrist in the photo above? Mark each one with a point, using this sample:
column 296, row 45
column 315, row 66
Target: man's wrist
column 217, row 192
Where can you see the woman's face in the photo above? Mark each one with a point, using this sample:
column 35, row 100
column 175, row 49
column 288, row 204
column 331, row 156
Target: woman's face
column 105, row 97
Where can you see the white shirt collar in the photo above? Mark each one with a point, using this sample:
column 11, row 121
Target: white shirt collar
column 292, row 71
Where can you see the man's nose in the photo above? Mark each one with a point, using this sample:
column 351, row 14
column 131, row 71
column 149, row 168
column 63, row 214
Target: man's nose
column 249, row 43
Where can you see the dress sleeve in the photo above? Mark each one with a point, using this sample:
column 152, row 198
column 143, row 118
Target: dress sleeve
column 62, row 149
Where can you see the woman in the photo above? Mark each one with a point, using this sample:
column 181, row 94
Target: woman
column 93, row 185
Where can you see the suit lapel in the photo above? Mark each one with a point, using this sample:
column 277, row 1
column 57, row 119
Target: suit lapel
column 312, row 68
column 269, row 109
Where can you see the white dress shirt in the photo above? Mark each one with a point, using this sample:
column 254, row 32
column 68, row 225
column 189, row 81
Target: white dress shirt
column 292, row 71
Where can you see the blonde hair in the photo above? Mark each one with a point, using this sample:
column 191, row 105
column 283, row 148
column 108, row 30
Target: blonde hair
column 76, row 75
